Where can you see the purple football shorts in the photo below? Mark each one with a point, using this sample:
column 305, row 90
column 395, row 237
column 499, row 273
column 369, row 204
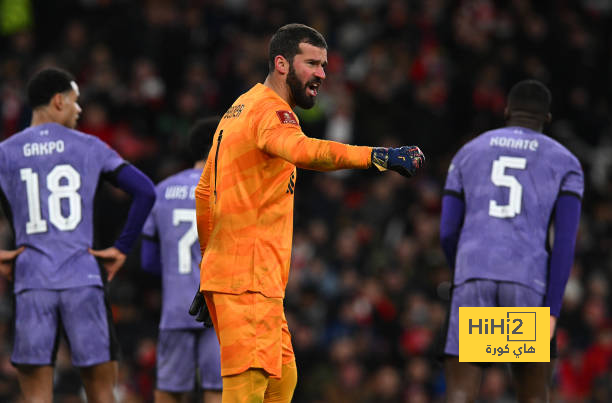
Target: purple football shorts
column 485, row 293
column 180, row 352
column 81, row 313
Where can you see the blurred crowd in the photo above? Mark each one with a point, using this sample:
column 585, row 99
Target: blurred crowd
column 368, row 292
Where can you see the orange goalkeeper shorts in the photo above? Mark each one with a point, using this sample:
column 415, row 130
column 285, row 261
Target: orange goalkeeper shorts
column 252, row 332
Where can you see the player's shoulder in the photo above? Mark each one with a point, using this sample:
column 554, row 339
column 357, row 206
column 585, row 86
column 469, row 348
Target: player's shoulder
column 474, row 144
column 15, row 138
column 179, row 186
column 67, row 134
column 477, row 145
column 76, row 135
column 556, row 153
column 557, row 147
column 261, row 103
column 170, row 180
column 30, row 131
column 247, row 103
column 44, row 133
column 547, row 147
column 186, row 177
column 254, row 96
column 265, row 99
column 261, row 93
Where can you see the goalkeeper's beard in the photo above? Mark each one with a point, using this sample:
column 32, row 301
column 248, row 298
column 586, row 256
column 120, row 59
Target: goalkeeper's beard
column 298, row 90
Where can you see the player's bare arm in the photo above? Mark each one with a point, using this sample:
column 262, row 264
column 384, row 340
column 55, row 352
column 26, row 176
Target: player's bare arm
column 7, row 259
column 112, row 260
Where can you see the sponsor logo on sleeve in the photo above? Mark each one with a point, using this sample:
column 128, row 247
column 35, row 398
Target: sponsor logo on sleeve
column 287, row 117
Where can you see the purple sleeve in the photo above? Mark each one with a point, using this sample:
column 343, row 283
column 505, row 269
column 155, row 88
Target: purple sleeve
column 573, row 180
column 107, row 158
column 454, row 181
column 150, row 256
column 453, row 209
column 140, row 187
column 149, row 229
column 567, row 218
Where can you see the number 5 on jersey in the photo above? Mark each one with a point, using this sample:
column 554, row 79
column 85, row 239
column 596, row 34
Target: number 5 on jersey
column 500, row 178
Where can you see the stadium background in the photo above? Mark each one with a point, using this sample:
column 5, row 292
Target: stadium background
column 367, row 296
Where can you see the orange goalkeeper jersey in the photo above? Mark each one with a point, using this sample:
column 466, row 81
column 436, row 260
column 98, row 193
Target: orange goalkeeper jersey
column 244, row 200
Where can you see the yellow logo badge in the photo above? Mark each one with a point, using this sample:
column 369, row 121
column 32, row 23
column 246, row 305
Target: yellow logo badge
column 504, row 334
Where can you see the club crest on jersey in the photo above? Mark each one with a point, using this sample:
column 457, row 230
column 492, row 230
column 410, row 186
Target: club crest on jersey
column 287, row 117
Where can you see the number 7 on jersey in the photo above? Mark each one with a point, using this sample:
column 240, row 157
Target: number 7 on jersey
column 185, row 243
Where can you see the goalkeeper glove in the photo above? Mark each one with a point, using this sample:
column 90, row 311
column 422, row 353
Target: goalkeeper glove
column 199, row 309
column 404, row 160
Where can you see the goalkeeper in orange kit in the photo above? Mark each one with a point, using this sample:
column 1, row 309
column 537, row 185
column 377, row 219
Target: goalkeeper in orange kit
column 244, row 209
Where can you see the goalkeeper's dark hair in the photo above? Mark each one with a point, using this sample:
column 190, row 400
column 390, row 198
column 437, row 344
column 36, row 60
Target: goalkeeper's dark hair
column 286, row 42
column 45, row 84
column 530, row 96
column 200, row 137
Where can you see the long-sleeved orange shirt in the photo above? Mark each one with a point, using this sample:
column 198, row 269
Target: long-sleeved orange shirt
column 244, row 200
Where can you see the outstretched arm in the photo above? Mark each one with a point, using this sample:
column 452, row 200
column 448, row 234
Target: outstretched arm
column 294, row 146
column 289, row 143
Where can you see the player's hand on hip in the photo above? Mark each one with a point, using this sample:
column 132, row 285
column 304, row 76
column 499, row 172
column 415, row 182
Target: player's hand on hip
column 199, row 309
column 7, row 259
column 406, row 160
column 553, row 325
column 112, row 260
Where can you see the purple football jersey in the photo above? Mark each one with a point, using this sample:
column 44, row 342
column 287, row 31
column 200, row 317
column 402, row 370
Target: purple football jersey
column 510, row 179
column 49, row 175
column 173, row 222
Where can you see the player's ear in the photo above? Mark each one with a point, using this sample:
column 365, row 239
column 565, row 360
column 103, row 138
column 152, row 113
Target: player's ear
column 281, row 64
column 548, row 117
column 506, row 113
column 57, row 101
